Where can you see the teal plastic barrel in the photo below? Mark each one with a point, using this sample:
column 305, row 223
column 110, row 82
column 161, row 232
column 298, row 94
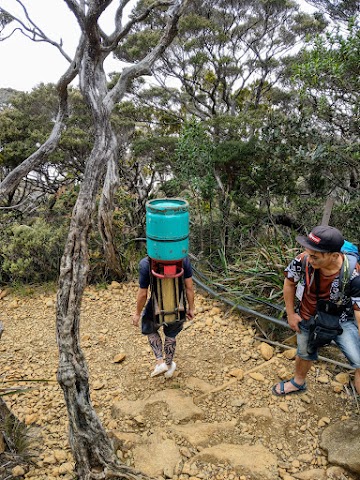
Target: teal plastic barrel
column 167, row 228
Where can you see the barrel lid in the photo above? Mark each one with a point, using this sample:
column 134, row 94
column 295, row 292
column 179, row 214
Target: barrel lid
column 164, row 205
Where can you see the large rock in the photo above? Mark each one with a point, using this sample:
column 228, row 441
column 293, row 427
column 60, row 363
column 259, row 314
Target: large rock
column 156, row 456
column 267, row 351
column 194, row 383
column 261, row 412
column 313, row 474
column 253, row 459
column 342, row 442
column 200, row 434
column 180, row 406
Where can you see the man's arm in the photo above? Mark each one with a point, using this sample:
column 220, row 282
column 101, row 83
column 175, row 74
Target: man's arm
column 289, row 298
column 140, row 303
column 189, row 290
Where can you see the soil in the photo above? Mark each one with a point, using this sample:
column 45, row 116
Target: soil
column 217, row 348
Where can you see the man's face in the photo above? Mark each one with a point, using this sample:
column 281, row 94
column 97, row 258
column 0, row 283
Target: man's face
column 318, row 259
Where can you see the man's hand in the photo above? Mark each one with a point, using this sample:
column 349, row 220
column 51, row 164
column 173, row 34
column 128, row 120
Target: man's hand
column 293, row 320
column 136, row 320
column 190, row 313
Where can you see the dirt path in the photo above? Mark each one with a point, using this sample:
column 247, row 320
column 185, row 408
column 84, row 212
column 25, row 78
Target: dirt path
column 240, row 432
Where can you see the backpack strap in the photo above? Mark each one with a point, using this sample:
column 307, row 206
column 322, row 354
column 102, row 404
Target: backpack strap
column 347, row 269
column 308, row 272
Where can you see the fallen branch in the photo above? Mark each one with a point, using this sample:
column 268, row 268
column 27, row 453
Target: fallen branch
column 236, row 379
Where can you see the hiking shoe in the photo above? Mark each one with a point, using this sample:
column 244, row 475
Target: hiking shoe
column 171, row 370
column 159, row 369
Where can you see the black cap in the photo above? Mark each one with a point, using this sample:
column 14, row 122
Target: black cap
column 323, row 239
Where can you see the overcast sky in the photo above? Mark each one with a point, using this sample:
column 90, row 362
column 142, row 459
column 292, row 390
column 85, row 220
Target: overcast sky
column 24, row 63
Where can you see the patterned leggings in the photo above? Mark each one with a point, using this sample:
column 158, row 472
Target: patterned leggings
column 157, row 347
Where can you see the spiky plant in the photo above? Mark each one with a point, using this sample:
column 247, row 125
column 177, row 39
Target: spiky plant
column 17, row 439
column 255, row 276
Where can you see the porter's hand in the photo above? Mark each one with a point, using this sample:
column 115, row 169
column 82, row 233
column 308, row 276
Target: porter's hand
column 136, row 320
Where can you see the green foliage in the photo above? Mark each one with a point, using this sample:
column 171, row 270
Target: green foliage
column 173, row 188
column 31, row 253
column 138, row 45
column 334, row 61
column 339, row 10
column 195, row 161
column 155, row 149
column 236, row 138
column 343, row 216
column 19, row 440
column 223, row 46
column 26, row 123
column 128, row 226
column 258, row 265
column 236, row 161
column 19, row 446
column 60, row 206
column 138, row 42
column 329, row 75
column 20, row 436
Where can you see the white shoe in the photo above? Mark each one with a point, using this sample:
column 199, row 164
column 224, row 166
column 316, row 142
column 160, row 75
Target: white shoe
column 170, row 370
column 159, row 369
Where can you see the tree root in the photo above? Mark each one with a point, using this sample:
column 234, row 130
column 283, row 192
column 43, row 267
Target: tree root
column 114, row 471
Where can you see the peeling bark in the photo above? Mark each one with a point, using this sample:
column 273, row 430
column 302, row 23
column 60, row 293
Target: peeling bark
column 111, row 183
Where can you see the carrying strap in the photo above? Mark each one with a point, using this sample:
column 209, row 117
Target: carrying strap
column 348, row 267
column 346, row 271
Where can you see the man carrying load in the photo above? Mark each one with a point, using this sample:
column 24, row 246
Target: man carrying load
column 168, row 273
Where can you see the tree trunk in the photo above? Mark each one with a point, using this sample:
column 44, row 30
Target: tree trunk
column 87, row 438
column 113, row 261
column 92, row 449
column 105, row 221
column 327, row 210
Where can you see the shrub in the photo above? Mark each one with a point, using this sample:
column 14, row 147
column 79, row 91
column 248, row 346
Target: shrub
column 31, row 254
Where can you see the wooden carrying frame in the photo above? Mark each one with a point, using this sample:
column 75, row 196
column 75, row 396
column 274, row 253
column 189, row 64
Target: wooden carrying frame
column 168, row 291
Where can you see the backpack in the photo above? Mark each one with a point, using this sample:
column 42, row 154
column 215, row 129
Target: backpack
column 349, row 247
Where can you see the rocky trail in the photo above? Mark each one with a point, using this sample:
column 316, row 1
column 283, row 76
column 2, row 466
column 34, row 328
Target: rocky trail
column 215, row 419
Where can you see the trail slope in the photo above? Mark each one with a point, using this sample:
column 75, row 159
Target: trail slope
column 215, row 419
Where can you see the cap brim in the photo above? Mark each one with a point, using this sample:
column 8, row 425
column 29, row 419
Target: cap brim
column 305, row 242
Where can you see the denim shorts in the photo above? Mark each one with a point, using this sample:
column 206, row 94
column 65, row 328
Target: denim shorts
column 348, row 342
